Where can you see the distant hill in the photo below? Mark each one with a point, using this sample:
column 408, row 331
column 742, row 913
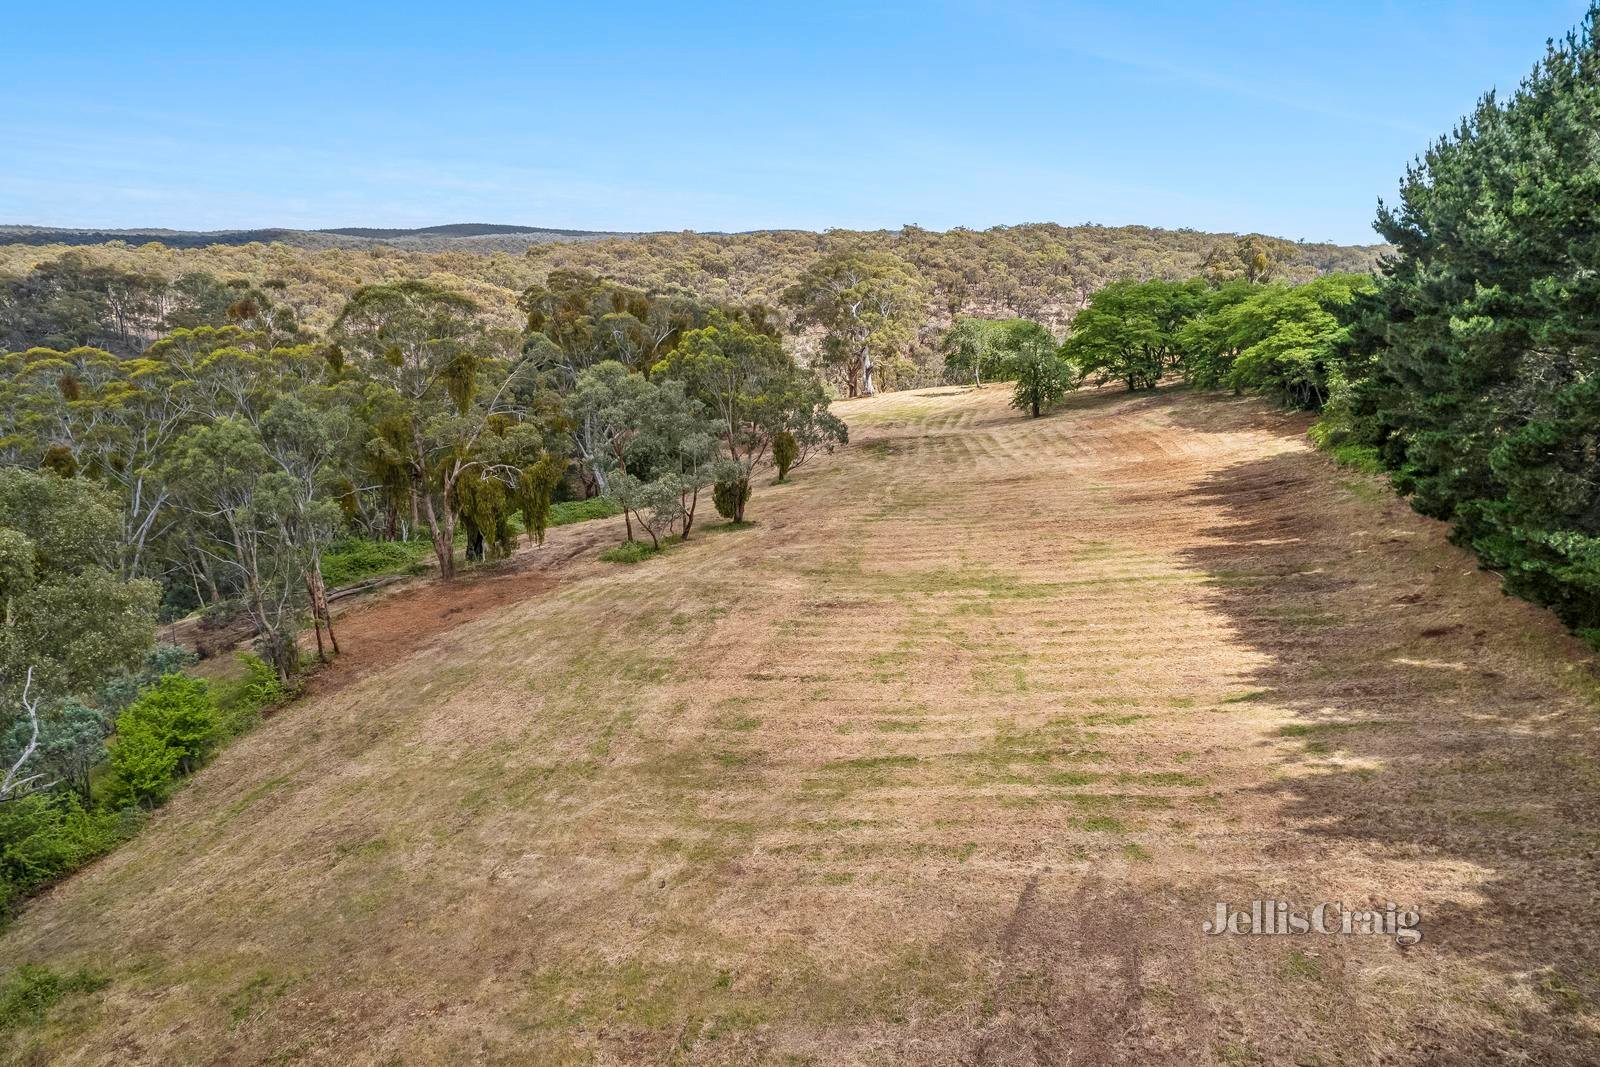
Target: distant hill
column 470, row 236
column 462, row 229
column 1042, row 271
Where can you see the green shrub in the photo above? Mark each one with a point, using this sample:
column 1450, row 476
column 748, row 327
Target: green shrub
column 45, row 836
column 262, row 686
column 182, row 713
column 630, row 552
column 1361, row 457
column 731, row 497
column 30, row 991
column 350, row 561
column 143, row 766
column 570, row 511
column 785, row 450
column 168, row 730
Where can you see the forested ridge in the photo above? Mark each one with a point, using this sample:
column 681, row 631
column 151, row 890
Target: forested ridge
column 1041, row 271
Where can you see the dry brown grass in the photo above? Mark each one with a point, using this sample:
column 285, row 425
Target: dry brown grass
column 943, row 762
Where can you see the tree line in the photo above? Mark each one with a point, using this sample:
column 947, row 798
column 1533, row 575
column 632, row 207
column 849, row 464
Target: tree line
column 1237, row 327
column 219, row 450
column 119, row 297
column 1467, row 369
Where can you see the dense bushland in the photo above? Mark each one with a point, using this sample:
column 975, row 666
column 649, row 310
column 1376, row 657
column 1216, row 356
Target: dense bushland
column 101, row 724
column 121, row 297
column 221, row 456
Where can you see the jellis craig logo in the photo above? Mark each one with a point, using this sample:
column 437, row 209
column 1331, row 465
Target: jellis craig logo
column 1269, row 918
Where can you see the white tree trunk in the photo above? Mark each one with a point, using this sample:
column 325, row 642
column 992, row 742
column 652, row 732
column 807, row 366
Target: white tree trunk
column 867, row 388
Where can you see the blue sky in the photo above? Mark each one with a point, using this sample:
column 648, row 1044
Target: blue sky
column 1289, row 119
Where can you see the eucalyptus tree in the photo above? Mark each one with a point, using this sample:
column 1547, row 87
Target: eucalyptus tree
column 307, row 443
column 576, row 320
column 972, row 347
column 68, row 620
column 605, row 407
column 113, row 419
column 754, row 392
column 435, row 381
column 868, row 306
column 222, row 475
column 647, row 441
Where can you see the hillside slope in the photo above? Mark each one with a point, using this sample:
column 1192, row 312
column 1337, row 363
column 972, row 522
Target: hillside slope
column 1041, row 271
column 945, row 761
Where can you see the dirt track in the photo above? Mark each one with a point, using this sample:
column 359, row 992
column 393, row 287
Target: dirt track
column 946, row 761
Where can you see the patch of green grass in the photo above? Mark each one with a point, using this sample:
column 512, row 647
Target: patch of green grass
column 1136, row 853
column 1363, row 458
column 866, row 763
column 349, row 561
column 1565, row 996
column 1104, row 824
column 899, row 726
column 630, row 552
column 726, row 527
column 570, row 511
column 1071, row 778
column 1298, row 965
column 1104, row 719
column 1319, row 729
column 1242, row 698
column 252, row 998
column 30, row 991
column 1162, row 778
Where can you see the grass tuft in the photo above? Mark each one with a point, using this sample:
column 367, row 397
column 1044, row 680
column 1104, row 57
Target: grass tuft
column 630, row 552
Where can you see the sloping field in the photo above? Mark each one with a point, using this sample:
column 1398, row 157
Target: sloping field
column 945, row 761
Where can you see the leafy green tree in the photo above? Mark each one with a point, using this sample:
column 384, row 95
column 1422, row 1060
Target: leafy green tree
column 1277, row 339
column 785, row 450
column 576, row 320
column 442, row 384
column 1482, row 340
column 67, row 620
column 114, row 418
column 416, row 347
column 606, row 407
column 642, row 438
column 868, row 306
column 69, row 744
column 730, row 497
column 1248, row 259
column 974, row 348
column 754, row 392
column 1129, row 330
column 144, row 767
column 181, row 712
column 223, row 474
column 1043, row 375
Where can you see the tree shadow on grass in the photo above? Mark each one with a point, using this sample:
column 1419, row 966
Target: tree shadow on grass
column 1434, row 718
